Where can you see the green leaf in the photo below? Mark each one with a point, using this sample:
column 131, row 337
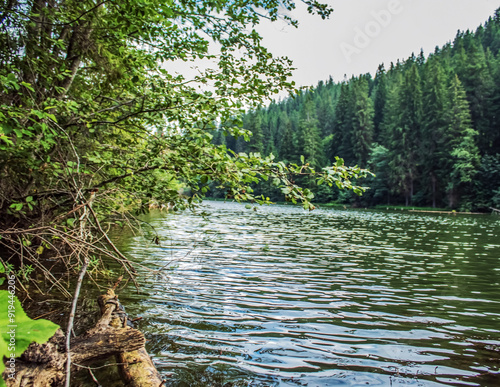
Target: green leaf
column 26, row 242
column 28, row 86
column 17, row 330
column 16, row 206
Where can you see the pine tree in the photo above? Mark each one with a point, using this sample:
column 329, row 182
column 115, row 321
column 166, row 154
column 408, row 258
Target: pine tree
column 309, row 136
column 380, row 100
column 433, row 159
column 379, row 165
column 254, row 125
column 475, row 75
column 325, row 114
column 404, row 138
column 491, row 37
column 342, row 144
column 362, row 122
column 421, row 59
column 284, row 143
column 271, row 119
column 462, row 147
column 494, row 113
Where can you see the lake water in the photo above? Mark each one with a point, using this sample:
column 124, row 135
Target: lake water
column 283, row 297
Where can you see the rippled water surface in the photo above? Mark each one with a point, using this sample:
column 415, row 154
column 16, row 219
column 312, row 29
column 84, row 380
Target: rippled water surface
column 284, row 297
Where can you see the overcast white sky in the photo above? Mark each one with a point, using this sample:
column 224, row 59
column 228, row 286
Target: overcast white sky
column 361, row 34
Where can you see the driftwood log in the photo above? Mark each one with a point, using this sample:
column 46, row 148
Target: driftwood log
column 43, row 365
column 135, row 366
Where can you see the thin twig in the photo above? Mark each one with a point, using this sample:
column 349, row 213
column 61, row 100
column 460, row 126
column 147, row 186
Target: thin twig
column 83, row 270
column 72, row 318
column 46, row 314
column 99, row 367
column 94, row 378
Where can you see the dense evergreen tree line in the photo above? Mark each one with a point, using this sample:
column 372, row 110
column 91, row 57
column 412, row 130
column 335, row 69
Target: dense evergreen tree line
column 429, row 128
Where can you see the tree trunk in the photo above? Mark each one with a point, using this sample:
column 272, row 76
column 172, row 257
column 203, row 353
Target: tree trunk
column 411, row 191
column 433, row 183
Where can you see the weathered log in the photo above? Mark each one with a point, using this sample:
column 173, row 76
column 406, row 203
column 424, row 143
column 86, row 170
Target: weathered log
column 136, row 367
column 43, row 365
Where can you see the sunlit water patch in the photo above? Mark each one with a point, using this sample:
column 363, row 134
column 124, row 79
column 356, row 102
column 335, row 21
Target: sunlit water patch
column 284, row 297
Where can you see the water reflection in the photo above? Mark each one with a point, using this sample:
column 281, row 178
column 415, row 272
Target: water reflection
column 325, row 298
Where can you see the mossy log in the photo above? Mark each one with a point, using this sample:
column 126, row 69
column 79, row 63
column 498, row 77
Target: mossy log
column 43, row 365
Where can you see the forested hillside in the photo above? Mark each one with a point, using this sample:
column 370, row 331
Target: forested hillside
column 429, row 128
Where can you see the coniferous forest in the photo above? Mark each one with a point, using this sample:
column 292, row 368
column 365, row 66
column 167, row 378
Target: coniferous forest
column 428, row 127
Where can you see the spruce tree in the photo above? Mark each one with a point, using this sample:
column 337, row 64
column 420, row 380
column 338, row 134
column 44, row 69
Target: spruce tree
column 379, row 165
column 462, row 147
column 404, row 138
column 433, row 159
column 288, row 150
column 380, row 100
column 284, row 143
column 254, row 125
column 342, row 141
column 362, row 122
column 476, row 77
column 309, row 135
column 325, row 114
